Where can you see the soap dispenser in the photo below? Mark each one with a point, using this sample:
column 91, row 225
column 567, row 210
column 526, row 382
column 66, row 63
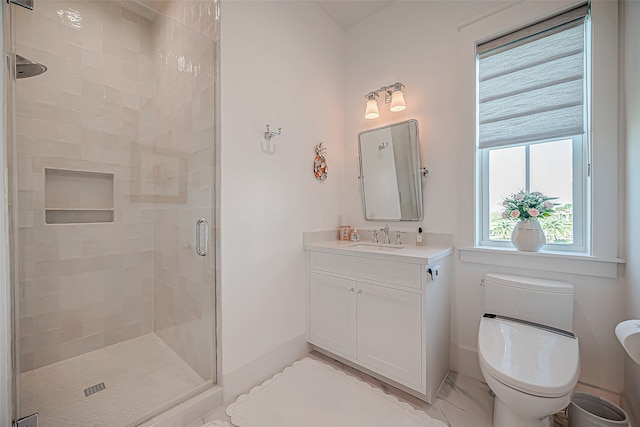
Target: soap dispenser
column 419, row 241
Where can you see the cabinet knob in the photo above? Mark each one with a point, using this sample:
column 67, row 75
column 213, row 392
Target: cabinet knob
column 359, row 291
column 351, row 290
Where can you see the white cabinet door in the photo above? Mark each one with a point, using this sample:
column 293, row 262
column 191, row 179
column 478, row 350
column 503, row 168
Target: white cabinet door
column 332, row 317
column 390, row 334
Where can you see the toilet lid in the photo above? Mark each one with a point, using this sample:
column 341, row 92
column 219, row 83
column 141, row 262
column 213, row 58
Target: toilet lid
column 528, row 358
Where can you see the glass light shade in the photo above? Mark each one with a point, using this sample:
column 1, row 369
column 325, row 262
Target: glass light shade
column 372, row 110
column 397, row 101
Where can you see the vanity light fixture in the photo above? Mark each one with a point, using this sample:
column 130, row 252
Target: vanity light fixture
column 397, row 98
column 372, row 106
column 392, row 94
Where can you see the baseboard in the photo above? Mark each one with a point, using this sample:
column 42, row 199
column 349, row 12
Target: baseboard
column 255, row 372
column 609, row 395
column 465, row 361
column 634, row 417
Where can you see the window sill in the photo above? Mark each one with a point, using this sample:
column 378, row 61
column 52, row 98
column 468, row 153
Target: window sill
column 559, row 262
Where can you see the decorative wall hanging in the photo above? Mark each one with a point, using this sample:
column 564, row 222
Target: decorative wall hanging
column 320, row 162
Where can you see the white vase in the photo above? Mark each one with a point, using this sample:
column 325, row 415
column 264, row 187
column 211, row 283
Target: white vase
column 527, row 236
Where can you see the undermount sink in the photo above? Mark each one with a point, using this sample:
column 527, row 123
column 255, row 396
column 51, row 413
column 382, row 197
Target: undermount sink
column 375, row 247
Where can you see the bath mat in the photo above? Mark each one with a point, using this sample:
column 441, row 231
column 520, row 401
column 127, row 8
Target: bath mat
column 313, row 394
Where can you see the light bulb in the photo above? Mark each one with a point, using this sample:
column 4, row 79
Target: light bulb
column 372, row 109
column 397, row 101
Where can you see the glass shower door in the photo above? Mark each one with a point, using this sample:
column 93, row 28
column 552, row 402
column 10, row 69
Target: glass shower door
column 113, row 166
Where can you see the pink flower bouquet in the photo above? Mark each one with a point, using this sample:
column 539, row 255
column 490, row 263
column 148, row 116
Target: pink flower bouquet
column 523, row 206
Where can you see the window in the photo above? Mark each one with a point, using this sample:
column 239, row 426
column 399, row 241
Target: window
column 532, row 126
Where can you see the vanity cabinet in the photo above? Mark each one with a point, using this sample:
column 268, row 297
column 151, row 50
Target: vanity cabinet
column 332, row 313
column 383, row 315
column 360, row 320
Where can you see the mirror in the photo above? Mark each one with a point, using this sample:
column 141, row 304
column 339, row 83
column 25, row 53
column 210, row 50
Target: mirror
column 390, row 173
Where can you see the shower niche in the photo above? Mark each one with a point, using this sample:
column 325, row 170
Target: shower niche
column 73, row 197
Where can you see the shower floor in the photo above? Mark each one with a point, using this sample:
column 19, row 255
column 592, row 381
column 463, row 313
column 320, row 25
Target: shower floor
column 141, row 375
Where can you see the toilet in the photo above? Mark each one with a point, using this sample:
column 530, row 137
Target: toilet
column 528, row 353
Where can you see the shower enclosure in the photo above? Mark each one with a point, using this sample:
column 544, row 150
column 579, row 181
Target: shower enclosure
column 111, row 164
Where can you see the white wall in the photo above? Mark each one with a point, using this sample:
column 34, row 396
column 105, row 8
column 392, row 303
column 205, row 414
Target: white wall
column 415, row 43
column 282, row 64
column 418, row 44
column 631, row 89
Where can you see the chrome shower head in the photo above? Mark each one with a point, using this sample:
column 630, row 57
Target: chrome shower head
column 27, row 68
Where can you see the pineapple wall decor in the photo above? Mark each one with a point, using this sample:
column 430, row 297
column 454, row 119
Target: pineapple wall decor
column 320, row 162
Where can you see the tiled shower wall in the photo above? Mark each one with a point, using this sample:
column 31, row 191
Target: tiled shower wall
column 128, row 93
column 84, row 286
column 183, row 312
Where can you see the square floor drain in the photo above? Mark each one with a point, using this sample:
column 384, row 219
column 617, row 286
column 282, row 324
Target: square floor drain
column 93, row 389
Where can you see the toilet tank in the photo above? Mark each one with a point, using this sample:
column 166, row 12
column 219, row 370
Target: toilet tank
column 547, row 302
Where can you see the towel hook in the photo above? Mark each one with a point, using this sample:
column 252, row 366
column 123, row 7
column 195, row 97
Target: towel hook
column 270, row 133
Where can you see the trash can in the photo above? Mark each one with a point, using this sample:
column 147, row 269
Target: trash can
column 586, row 410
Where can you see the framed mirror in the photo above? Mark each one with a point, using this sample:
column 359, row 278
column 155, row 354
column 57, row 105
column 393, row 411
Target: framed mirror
column 390, row 173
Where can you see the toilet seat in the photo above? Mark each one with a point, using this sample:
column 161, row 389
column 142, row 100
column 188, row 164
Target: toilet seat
column 528, row 358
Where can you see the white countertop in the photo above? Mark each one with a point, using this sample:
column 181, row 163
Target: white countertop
column 427, row 254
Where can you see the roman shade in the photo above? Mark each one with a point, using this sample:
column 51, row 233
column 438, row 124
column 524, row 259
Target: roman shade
column 531, row 83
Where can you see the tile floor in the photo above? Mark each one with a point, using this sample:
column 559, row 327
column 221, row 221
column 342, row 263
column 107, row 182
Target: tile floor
column 136, row 374
column 141, row 376
column 461, row 402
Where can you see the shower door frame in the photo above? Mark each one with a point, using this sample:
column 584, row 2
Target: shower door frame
column 8, row 385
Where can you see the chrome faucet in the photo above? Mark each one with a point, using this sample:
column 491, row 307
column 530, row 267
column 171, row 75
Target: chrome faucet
column 386, row 233
column 375, row 235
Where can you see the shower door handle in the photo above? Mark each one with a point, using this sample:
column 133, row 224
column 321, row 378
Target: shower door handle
column 202, row 251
